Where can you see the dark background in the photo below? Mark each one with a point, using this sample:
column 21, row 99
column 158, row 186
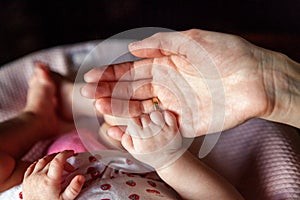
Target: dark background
column 27, row 26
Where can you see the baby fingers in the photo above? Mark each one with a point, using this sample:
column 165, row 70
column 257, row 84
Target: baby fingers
column 57, row 165
column 74, row 188
column 42, row 163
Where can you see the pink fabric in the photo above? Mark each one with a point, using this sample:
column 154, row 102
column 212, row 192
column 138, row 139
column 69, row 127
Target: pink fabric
column 69, row 141
column 72, row 141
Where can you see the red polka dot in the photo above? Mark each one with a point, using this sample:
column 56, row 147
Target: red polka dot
column 105, row 186
column 94, row 173
column 92, row 159
column 151, row 183
column 134, row 197
column 91, row 170
column 131, row 183
column 21, row 195
column 153, row 191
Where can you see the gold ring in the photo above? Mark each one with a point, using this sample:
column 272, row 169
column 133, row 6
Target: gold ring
column 155, row 103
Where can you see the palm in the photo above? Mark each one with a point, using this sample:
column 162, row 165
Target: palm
column 211, row 88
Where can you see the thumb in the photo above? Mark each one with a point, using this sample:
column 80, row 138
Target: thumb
column 74, row 188
column 158, row 45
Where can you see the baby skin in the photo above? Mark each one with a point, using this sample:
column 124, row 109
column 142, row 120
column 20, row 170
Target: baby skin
column 155, row 140
column 44, row 178
column 151, row 138
column 38, row 120
column 47, row 114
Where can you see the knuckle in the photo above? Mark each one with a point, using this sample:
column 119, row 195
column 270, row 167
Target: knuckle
column 42, row 160
column 74, row 191
column 158, row 35
column 193, row 31
column 56, row 161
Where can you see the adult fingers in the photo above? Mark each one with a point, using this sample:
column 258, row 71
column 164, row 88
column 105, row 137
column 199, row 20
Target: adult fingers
column 114, row 120
column 129, row 71
column 123, row 108
column 141, row 89
column 116, row 132
column 74, row 188
column 160, row 44
column 57, row 165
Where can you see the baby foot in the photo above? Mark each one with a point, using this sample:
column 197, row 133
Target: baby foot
column 154, row 139
column 41, row 98
column 64, row 95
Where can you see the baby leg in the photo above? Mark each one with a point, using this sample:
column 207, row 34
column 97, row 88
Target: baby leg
column 38, row 120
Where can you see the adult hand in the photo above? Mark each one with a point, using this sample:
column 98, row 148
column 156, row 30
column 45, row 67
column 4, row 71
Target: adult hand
column 203, row 77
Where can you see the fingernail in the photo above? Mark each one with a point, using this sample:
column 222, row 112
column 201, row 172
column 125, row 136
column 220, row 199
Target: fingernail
column 80, row 180
column 87, row 92
column 87, row 77
column 83, row 91
column 133, row 45
column 109, row 133
column 97, row 105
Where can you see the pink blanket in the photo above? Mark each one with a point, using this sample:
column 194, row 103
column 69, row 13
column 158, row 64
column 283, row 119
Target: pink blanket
column 261, row 159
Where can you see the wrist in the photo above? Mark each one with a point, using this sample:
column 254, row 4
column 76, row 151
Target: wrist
column 185, row 156
column 282, row 85
column 161, row 160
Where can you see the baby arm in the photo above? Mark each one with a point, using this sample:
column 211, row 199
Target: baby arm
column 155, row 140
column 11, row 171
column 43, row 179
column 193, row 180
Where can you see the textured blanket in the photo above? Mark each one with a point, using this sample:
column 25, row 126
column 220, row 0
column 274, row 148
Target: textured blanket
column 260, row 158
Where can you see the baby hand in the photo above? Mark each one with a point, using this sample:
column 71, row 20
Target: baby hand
column 43, row 179
column 154, row 139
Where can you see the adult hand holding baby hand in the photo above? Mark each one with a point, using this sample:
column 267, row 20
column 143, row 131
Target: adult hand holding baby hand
column 206, row 78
